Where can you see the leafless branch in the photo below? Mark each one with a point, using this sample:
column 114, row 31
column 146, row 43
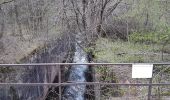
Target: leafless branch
column 76, row 14
column 5, row 2
column 111, row 9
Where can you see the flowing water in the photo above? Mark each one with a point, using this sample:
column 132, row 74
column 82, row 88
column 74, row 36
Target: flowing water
column 77, row 74
column 39, row 75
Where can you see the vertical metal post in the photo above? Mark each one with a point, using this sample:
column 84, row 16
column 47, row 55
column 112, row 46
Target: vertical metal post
column 96, row 87
column 59, row 81
column 97, row 92
column 150, row 89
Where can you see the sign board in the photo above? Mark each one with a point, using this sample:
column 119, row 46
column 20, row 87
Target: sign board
column 142, row 70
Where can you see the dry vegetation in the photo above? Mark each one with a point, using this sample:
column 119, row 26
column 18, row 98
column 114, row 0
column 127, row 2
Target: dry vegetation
column 113, row 30
column 26, row 26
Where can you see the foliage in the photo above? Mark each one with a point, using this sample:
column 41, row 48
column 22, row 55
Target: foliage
column 119, row 51
column 161, row 75
column 142, row 37
column 6, row 70
column 152, row 17
column 150, row 37
column 150, row 13
column 105, row 74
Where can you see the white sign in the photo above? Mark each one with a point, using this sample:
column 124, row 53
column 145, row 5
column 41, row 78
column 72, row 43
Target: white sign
column 142, row 70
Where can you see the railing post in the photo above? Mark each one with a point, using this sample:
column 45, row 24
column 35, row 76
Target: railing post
column 96, row 87
column 150, row 89
column 59, row 81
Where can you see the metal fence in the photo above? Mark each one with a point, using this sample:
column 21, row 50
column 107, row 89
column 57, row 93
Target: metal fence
column 103, row 84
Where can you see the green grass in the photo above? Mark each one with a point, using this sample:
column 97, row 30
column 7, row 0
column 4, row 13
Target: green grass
column 119, row 51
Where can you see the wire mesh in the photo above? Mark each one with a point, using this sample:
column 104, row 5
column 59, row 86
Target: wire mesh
column 104, row 82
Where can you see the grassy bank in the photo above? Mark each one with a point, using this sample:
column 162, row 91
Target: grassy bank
column 119, row 51
column 122, row 52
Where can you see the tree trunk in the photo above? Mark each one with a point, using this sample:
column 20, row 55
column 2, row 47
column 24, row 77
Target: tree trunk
column 18, row 21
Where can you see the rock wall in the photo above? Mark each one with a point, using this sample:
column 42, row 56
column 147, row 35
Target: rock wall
column 55, row 52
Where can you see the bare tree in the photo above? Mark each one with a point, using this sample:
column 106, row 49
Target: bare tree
column 89, row 15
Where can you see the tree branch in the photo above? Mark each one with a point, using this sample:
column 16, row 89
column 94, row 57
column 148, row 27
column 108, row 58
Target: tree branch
column 6, row 1
column 76, row 14
column 111, row 9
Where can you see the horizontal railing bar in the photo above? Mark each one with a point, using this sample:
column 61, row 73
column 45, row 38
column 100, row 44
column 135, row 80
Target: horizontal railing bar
column 52, row 64
column 83, row 83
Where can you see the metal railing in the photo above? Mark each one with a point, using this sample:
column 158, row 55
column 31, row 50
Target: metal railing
column 60, row 83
